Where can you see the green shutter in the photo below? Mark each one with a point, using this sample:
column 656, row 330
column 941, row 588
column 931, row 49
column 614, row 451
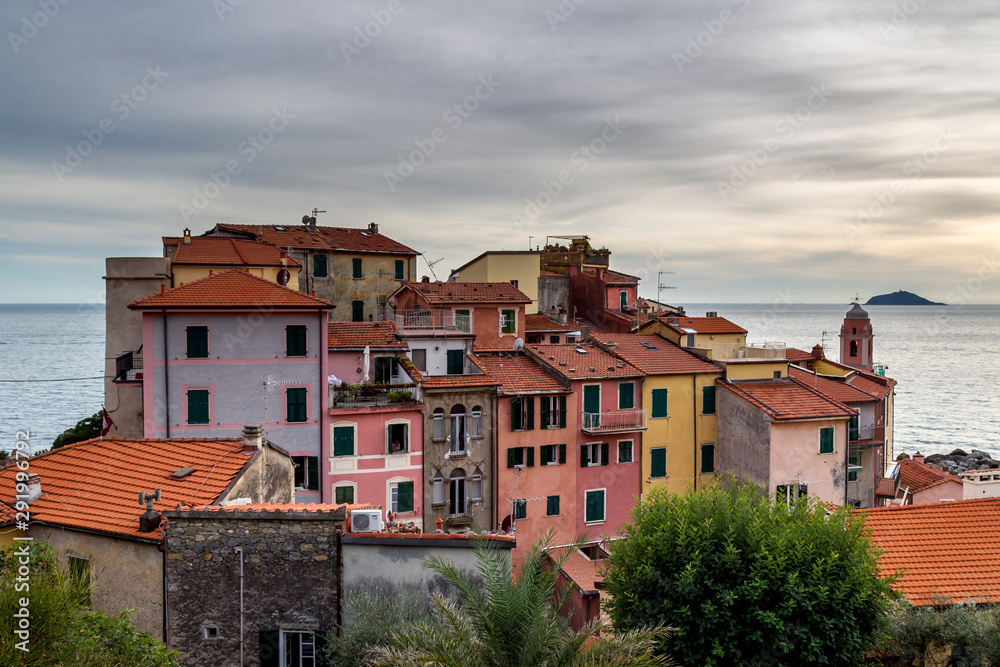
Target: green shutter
column 319, row 266
column 543, row 452
column 594, row 506
column 197, row 342
column 592, row 398
column 854, row 427
column 583, row 456
column 658, row 462
column 562, row 453
column 296, row 405
column 531, row 413
column 295, row 340
column 826, row 440
column 515, row 410
column 552, row 506
column 357, row 311
column 708, row 400
column 544, row 421
column 510, row 457
column 562, row 412
column 343, row 441
column 508, row 320
column 356, row 268
column 399, row 270
column 531, row 457
column 456, row 362
column 626, row 396
column 707, row 459
column 404, row 497
column 659, row 403
column 312, row 463
column 604, row 454
column 197, row 406
column 343, row 494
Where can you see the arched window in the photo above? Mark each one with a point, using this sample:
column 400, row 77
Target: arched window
column 456, row 493
column 438, row 433
column 854, row 348
column 437, row 495
column 476, row 485
column 476, row 422
column 458, row 432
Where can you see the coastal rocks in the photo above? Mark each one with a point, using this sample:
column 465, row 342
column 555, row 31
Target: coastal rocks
column 959, row 461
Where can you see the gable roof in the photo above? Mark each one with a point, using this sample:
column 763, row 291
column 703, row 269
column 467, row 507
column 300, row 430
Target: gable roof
column 612, row 277
column 945, row 550
column 867, row 383
column 794, row 354
column 591, row 363
column 654, row 355
column 786, row 399
column 357, row 335
column 703, row 325
column 94, row 485
column 919, row 476
column 835, row 389
column 441, row 293
column 517, row 374
column 225, row 251
column 230, row 289
column 452, row 381
column 542, row 322
column 301, row 237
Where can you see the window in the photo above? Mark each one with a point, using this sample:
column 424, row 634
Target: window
column 385, row 368
column 594, row 454
column 319, row 266
column 456, row 362
column 456, row 493
column 197, row 342
column 476, row 422
column 625, row 451
column 658, row 462
column 197, row 404
column 854, row 428
column 343, row 494
column 659, row 408
column 438, row 419
column 397, row 438
column 552, row 506
column 553, row 454
column 592, row 399
column 852, row 462
column 514, row 283
column 343, row 441
column 458, row 434
column 476, row 486
column 357, row 311
column 826, row 440
column 690, row 340
column 419, row 359
column 521, row 456
column 437, row 487
column 401, row 497
column 520, row 508
column 295, row 398
column 508, row 321
column 708, row 400
column 463, row 320
column 626, row 396
column 79, row 572
column 306, row 473
column 854, row 348
column 623, row 300
column 554, row 340
column 553, row 412
column 776, row 375
column 295, row 340
column 594, row 506
column 400, row 270
column 786, row 493
column 356, row 268
column 522, row 413
column 707, row 458
column 291, row 648
column 210, row 632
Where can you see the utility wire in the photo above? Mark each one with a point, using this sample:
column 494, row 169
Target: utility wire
column 96, row 377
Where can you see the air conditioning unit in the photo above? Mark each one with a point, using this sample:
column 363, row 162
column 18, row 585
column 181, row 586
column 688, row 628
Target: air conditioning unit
column 366, row 521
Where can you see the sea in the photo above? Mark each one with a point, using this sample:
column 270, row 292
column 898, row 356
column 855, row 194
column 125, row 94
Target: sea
column 942, row 357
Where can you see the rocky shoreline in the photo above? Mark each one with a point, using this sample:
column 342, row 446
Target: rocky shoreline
column 958, row 461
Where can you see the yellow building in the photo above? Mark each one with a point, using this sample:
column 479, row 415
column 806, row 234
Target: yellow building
column 678, row 391
column 190, row 258
column 521, row 268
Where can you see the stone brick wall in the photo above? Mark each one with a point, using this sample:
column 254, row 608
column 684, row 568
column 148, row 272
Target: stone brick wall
column 290, row 581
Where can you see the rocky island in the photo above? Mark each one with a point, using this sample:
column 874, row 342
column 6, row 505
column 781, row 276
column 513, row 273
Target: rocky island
column 901, row 298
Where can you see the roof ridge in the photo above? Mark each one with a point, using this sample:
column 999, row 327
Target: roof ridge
column 824, row 396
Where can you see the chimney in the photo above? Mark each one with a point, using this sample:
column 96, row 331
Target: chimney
column 918, row 457
column 372, row 228
column 673, row 320
column 187, row 236
column 253, row 438
column 712, row 313
column 32, row 486
column 817, row 351
column 149, row 520
column 554, row 314
column 563, row 316
column 163, row 289
column 425, row 279
column 584, row 332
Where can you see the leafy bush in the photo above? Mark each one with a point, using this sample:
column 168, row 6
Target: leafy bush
column 937, row 636
column 371, row 617
column 85, row 429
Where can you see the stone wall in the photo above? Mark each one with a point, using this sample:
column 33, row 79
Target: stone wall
column 290, row 581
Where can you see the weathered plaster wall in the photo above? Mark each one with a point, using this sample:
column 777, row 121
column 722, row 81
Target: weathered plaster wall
column 553, row 291
column 795, row 455
column 744, row 439
column 270, row 478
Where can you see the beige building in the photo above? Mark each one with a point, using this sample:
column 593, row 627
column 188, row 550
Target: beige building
column 521, row 268
column 194, row 257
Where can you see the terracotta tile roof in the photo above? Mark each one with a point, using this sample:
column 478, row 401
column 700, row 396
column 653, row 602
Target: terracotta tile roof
column 920, row 476
column 441, row 293
column 410, row 368
column 276, row 507
column 356, row 335
column 593, row 363
column 220, row 251
column 945, row 550
column 704, row 325
column 585, row 573
column 7, row 513
column 447, row 381
column 612, row 277
column 654, row 355
column 865, row 383
column 517, row 374
column 786, row 399
column 835, row 389
column 794, row 354
column 344, row 239
column 541, row 322
column 230, row 289
column 95, row 485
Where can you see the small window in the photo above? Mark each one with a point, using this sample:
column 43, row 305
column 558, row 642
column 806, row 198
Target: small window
column 343, row 441
column 508, row 321
column 306, row 473
column 625, row 451
column 437, row 487
column 210, row 632
column 788, row 493
column 463, row 320
column 777, row 375
column 456, row 362
column 553, row 412
column 521, row 456
column 854, row 348
column 397, row 438
column 458, row 435
column 552, row 455
column 401, row 497
column 594, row 506
column 522, row 413
column 826, row 440
column 319, row 266
column 623, row 300
column 659, row 408
column 690, row 340
column 555, row 341
column 520, row 508
column 295, row 340
column 385, row 368
column 197, row 404
column 357, row 311
column 594, row 454
column 658, row 462
column 356, row 272
column 626, row 396
column 476, row 422
column 552, row 506
column 419, row 359
column 343, row 494
column 296, row 412
column 852, row 475
column 476, row 486
column 514, row 283
column 707, row 458
column 400, row 270
column 79, row 572
column 708, row 400
column 197, row 342
column 438, row 419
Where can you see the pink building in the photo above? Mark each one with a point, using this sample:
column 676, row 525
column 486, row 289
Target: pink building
column 609, row 422
column 856, row 338
column 920, row 484
column 607, row 298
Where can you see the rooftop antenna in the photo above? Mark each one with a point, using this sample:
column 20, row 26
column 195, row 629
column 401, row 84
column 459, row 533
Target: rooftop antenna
column 430, row 265
column 660, row 285
column 529, row 241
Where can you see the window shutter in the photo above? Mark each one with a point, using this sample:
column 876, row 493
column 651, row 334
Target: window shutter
column 515, row 413
column 544, row 422
column 552, row 505
column 312, row 462
column 562, row 412
column 404, row 497
column 543, row 451
column 707, row 459
column 197, row 406
column 531, row 457
column 510, row 457
column 197, row 342
column 343, row 441
column 708, row 400
column 658, row 462
column 399, row 269
column 562, row 453
column 659, row 403
column 356, row 268
column 531, row 413
column 583, row 456
column 604, row 454
column 826, row 440
column 626, row 396
column 269, row 642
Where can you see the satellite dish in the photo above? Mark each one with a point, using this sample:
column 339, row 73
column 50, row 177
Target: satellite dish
column 518, row 344
column 305, row 220
column 283, row 277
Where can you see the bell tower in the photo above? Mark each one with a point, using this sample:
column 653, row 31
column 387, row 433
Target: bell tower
column 856, row 339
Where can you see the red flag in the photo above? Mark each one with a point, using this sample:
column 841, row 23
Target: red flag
column 106, row 422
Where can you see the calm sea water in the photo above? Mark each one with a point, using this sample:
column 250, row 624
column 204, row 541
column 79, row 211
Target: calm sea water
column 942, row 357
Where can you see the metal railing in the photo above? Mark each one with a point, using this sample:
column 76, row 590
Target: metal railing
column 755, row 351
column 371, row 395
column 128, row 366
column 860, row 433
column 432, row 320
column 614, row 420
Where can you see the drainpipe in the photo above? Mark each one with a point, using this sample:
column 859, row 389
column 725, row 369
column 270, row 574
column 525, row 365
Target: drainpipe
column 166, row 374
column 239, row 550
column 340, row 580
column 495, row 403
column 161, row 547
column 847, row 454
column 694, row 404
column 323, row 391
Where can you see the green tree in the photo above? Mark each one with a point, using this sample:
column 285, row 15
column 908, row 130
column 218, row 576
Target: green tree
column 747, row 581
column 85, row 429
column 945, row 635
column 500, row 620
column 371, row 617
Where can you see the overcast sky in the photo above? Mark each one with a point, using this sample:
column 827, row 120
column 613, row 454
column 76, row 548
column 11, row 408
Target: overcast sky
column 761, row 150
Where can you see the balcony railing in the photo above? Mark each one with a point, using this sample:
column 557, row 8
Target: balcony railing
column 886, row 486
column 128, row 366
column 736, row 351
column 614, row 421
column 432, row 320
column 863, row 433
column 371, row 395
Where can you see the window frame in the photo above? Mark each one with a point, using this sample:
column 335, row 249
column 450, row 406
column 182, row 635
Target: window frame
column 309, row 465
column 474, row 422
column 437, row 486
column 833, row 439
column 399, row 268
column 358, row 312
column 438, row 431
column 549, row 503
column 631, row 451
column 420, row 354
column 706, row 391
column 288, row 339
column 345, row 485
column 452, row 359
column 652, row 463
column 187, row 341
column 701, row 467
column 304, row 405
column 354, row 439
column 659, row 391
column 508, row 324
column 622, row 386
column 357, row 268
column 318, row 260
column 587, row 519
column 455, row 418
column 405, row 423
column 474, row 487
column 394, row 495
column 208, row 405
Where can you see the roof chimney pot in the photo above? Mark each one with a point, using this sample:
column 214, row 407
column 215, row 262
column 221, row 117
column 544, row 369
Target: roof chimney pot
column 187, row 236
column 253, row 438
column 34, row 484
column 373, row 228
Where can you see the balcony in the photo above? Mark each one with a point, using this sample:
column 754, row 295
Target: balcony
column 128, row 367
column 371, row 395
column 886, row 487
column 434, row 321
column 614, row 421
column 871, row 435
column 754, row 352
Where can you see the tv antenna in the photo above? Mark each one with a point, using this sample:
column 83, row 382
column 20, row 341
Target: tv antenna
column 661, row 286
column 430, row 265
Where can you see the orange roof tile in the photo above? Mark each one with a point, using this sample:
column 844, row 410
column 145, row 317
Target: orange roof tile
column 585, row 573
column 447, row 381
column 356, row 335
column 612, row 277
column 654, row 355
column 786, row 399
column 541, row 322
column 7, row 513
column 439, row 293
column 230, row 289
column 920, row 476
column 835, row 389
column 410, row 368
column 95, row 485
column 592, row 363
column 222, row 251
column 345, row 239
column 517, row 374
column 945, row 550
column 866, row 383
column 704, row 325
column 276, row 507
column 794, row 354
